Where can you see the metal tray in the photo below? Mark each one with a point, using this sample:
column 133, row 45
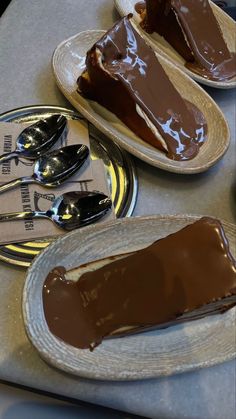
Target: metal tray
column 120, row 170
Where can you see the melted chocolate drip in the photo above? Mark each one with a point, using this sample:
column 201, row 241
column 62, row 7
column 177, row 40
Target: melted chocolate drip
column 184, row 276
column 123, row 73
column 192, row 29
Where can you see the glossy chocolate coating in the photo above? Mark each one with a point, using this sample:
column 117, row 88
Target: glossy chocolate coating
column 190, row 272
column 123, row 73
column 156, row 19
column 192, row 29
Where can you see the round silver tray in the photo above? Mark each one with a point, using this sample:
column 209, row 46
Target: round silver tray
column 120, row 170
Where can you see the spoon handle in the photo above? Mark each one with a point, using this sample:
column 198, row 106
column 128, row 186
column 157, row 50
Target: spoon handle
column 16, row 182
column 27, row 215
column 8, row 156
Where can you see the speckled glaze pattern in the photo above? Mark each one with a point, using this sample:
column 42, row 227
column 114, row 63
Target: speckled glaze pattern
column 68, row 63
column 185, row 347
column 162, row 47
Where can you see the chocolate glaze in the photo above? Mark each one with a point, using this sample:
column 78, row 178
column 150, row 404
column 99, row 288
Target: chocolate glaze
column 182, row 277
column 155, row 19
column 129, row 74
column 192, row 29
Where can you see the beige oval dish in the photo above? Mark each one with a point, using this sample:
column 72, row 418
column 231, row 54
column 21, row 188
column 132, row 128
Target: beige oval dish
column 69, row 62
column 196, row 344
column 161, row 46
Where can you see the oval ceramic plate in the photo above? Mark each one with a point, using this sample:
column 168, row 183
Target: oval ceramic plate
column 177, row 349
column 68, row 64
column 159, row 45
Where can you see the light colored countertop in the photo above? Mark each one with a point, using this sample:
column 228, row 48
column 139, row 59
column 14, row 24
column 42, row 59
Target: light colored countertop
column 29, row 32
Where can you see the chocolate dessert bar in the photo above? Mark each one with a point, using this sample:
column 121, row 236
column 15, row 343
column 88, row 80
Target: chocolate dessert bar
column 124, row 75
column 193, row 31
column 184, row 276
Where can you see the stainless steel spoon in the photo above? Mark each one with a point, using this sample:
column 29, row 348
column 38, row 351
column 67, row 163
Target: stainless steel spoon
column 70, row 210
column 54, row 168
column 38, row 138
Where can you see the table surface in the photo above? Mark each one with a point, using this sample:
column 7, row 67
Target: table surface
column 29, row 32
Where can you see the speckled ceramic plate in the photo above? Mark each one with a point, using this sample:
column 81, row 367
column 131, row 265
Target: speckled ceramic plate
column 121, row 176
column 69, row 62
column 159, row 45
column 185, row 347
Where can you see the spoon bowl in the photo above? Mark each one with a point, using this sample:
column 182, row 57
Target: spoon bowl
column 36, row 139
column 74, row 209
column 57, row 166
column 54, row 168
column 70, row 210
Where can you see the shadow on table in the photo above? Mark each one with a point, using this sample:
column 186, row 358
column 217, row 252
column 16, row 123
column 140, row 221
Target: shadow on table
column 233, row 198
column 39, row 410
column 3, row 5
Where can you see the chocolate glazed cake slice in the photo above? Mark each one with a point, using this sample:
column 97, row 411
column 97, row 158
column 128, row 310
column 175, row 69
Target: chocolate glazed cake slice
column 184, row 276
column 192, row 29
column 124, row 75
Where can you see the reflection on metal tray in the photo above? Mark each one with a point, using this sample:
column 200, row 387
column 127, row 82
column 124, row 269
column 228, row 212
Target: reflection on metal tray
column 121, row 176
